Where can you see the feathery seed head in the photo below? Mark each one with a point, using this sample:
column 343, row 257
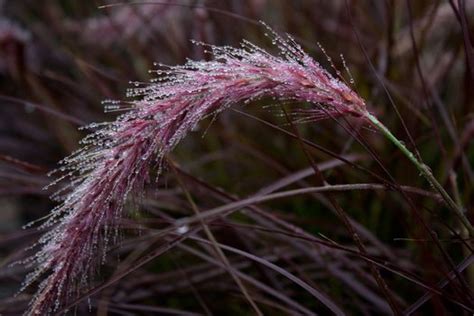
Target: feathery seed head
column 116, row 157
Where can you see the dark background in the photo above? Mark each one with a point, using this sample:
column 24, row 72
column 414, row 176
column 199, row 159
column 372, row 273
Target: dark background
column 60, row 59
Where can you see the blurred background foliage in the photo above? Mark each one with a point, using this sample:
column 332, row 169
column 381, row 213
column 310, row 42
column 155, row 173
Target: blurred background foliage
column 60, row 59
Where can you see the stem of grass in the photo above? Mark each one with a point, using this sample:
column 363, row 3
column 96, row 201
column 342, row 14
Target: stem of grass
column 424, row 170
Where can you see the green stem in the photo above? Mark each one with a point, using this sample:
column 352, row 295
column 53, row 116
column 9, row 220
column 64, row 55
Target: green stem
column 424, row 170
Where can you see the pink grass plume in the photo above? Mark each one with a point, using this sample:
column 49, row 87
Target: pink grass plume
column 115, row 160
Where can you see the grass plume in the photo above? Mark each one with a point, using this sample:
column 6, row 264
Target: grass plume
column 116, row 157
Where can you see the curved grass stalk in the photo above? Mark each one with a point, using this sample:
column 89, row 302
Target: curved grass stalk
column 425, row 171
column 115, row 160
